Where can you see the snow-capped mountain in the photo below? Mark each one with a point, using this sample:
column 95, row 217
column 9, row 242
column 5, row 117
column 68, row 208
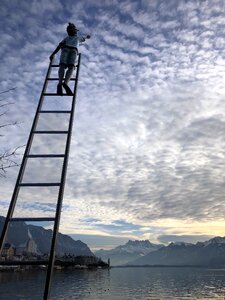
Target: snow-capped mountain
column 180, row 244
column 210, row 253
column 215, row 240
column 128, row 252
column 139, row 247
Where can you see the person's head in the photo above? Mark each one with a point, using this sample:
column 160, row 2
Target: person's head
column 71, row 29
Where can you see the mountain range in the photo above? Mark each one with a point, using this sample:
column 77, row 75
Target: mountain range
column 144, row 253
column 127, row 253
column 136, row 253
column 20, row 232
column 210, row 253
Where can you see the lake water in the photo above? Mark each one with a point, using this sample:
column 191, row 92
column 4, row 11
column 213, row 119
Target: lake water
column 117, row 283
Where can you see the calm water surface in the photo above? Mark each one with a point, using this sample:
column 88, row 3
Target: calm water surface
column 117, row 283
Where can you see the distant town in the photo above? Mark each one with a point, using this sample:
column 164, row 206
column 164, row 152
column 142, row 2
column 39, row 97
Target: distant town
column 15, row 256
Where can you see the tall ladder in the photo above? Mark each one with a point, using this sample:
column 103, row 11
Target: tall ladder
column 61, row 184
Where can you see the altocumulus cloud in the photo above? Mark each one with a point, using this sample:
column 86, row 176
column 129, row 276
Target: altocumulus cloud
column 148, row 143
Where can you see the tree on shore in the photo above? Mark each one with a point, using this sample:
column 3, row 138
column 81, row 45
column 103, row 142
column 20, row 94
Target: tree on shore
column 7, row 157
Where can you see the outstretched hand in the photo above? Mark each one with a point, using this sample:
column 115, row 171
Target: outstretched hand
column 51, row 57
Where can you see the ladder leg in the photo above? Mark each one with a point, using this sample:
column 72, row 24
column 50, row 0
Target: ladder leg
column 23, row 164
column 61, row 191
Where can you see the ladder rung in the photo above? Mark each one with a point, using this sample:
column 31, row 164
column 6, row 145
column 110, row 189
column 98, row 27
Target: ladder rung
column 50, row 132
column 55, row 111
column 45, row 155
column 54, row 78
column 21, row 263
column 54, row 94
column 31, row 219
column 41, row 184
column 56, row 66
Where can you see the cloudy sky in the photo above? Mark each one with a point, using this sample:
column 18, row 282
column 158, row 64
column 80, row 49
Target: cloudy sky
column 147, row 156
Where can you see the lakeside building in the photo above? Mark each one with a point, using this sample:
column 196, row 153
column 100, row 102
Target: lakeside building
column 8, row 251
column 27, row 248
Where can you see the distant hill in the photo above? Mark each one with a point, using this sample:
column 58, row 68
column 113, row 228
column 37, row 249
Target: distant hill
column 126, row 253
column 210, row 253
column 20, row 232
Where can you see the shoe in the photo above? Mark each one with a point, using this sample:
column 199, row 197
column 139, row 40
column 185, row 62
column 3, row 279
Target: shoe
column 67, row 89
column 59, row 90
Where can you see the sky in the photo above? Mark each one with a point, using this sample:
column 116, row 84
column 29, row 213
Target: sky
column 147, row 158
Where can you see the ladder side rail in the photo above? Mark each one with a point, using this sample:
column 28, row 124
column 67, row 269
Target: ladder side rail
column 61, row 190
column 23, row 163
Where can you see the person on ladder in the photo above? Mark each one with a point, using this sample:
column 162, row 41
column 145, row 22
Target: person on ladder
column 69, row 51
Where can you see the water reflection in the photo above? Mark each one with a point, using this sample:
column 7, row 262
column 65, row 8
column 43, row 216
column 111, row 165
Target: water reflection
column 117, row 283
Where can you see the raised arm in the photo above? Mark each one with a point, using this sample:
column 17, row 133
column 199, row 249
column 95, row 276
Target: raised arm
column 83, row 38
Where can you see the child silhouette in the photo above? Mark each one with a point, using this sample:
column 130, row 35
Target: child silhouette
column 69, row 52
